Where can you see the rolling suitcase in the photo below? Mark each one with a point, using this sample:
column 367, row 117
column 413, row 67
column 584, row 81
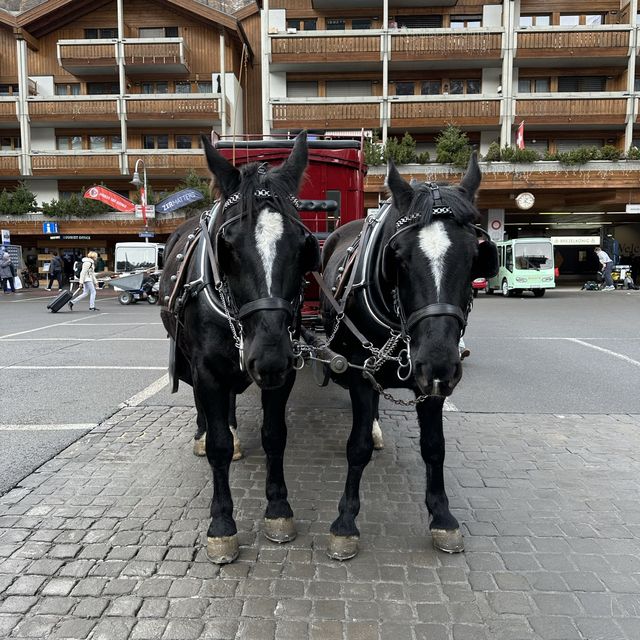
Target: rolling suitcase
column 60, row 301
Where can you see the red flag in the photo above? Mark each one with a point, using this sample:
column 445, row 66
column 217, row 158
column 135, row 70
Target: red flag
column 520, row 136
column 113, row 199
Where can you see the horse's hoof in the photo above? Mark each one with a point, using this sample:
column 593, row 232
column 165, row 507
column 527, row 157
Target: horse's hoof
column 223, row 550
column 237, row 449
column 448, row 540
column 342, row 547
column 200, row 446
column 280, row 529
column 376, row 433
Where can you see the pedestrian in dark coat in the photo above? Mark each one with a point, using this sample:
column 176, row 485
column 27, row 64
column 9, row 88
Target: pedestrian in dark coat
column 55, row 271
column 6, row 271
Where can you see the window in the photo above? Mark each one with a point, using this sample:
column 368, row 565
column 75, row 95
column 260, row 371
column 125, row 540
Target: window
column 361, row 23
column 69, row 143
column 204, row 87
column 508, row 258
column 156, row 141
column 419, row 22
column 183, row 86
column 466, row 22
column 581, row 83
column 100, row 34
column 636, row 84
column 431, row 88
column 541, row 146
column 10, row 143
column 308, row 24
column 132, row 258
column 158, row 32
column 347, row 88
column 335, row 24
column 155, row 87
column 534, row 85
column 9, row 90
column 116, row 143
column 563, row 146
column 102, row 88
column 535, row 20
column 594, row 19
column 405, row 88
column 184, row 142
column 68, row 89
column 302, row 89
column 569, row 20
column 458, row 86
column 534, row 255
column 97, row 143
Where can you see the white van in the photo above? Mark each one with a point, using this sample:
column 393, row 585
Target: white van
column 131, row 257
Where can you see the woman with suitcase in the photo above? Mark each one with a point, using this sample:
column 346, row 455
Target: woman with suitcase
column 88, row 281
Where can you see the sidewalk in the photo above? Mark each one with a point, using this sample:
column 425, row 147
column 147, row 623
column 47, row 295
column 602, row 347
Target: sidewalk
column 105, row 541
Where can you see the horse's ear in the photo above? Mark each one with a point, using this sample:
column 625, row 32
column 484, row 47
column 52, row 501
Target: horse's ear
column 472, row 177
column 311, row 254
column 293, row 168
column 486, row 263
column 227, row 176
column 401, row 191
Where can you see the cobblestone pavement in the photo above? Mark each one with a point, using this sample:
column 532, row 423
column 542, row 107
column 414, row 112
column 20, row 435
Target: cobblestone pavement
column 105, row 541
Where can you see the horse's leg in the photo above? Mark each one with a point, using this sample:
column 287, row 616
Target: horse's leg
column 445, row 530
column 233, row 425
column 376, row 431
column 200, row 437
column 278, row 518
column 343, row 540
column 222, row 541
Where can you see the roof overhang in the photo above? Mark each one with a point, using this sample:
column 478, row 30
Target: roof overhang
column 366, row 4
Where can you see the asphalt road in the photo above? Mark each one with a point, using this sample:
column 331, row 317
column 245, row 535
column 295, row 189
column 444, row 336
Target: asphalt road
column 570, row 352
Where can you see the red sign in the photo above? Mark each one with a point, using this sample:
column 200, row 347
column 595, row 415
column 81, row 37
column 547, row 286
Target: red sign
column 113, row 199
column 520, row 136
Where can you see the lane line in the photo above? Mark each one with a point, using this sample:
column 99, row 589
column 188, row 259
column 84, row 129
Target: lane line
column 449, row 406
column 49, row 326
column 147, row 392
column 45, row 367
column 48, row 427
column 52, row 297
column 615, row 354
column 83, row 339
column 113, row 324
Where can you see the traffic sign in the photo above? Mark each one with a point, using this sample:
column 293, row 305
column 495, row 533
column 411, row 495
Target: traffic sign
column 6, row 236
column 151, row 211
column 49, row 227
column 146, row 234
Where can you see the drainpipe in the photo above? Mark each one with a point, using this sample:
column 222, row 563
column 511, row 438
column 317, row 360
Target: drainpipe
column 632, row 111
column 385, row 42
column 266, row 85
column 124, row 168
column 223, row 84
column 23, row 112
column 509, row 9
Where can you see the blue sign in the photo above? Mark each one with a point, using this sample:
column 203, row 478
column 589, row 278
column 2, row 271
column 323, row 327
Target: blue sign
column 178, row 200
column 49, row 227
column 146, row 234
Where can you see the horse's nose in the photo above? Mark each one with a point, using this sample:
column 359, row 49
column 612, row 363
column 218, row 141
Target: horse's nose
column 440, row 380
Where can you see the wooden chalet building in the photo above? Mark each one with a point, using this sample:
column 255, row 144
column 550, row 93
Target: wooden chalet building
column 86, row 89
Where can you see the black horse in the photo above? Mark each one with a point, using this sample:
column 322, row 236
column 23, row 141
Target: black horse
column 404, row 284
column 232, row 289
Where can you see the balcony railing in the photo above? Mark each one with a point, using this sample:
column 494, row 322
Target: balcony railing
column 437, row 111
column 446, row 44
column 10, row 163
column 141, row 55
column 571, row 108
column 335, row 113
column 168, row 162
column 8, row 110
column 325, row 46
column 608, row 41
column 204, row 107
column 74, row 108
column 80, row 163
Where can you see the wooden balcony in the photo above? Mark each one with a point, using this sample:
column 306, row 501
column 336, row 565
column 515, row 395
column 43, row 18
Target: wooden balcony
column 417, row 45
column 9, row 164
column 73, row 109
column 610, row 43
column 345, row 114
column 141, row 55
column 321, row 48
column 204, row 108
column 168, row 162
column 429, row 111
column 8, row 110
column 558, row 109
column 75, row 163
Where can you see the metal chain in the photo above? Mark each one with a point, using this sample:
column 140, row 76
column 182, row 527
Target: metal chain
column 387, row 396
column 237, row 335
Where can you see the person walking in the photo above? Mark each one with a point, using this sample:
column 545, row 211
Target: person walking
column 6, row 271
column 88, row 282
column 607, row 266
column 55, row 271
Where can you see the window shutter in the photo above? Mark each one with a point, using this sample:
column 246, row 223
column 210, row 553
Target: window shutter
column 348, row 89
column 302, row 89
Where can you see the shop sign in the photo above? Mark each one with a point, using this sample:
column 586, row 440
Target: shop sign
column 70, row 237
column 633, row 208
column 6, row 236
column 575, row 240
column 178, row 200
column 49, row 227
column 113, row 199
column 146, row 234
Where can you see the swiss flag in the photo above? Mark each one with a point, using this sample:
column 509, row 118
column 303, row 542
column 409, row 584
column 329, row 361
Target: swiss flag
column 520, row 136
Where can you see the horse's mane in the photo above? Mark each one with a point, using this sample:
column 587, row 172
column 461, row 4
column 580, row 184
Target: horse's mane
column 463, row 211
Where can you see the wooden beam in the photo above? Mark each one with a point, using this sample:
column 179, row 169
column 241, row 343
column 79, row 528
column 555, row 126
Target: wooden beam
column 22, row 34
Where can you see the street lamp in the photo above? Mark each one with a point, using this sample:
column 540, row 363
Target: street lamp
column 142, row 186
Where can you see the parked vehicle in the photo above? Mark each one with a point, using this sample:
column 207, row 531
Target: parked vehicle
column 526, row 264
column 29, row 279
column 136, row 287
column 478, row 285
column 133, row 257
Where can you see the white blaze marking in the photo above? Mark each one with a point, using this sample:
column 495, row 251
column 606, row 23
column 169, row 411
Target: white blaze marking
column 269, row 230
column 434, row 243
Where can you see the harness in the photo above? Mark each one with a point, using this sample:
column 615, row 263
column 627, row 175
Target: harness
column 221, row 299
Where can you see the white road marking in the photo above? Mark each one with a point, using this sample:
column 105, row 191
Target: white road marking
column 615, row 354
column 83, row 339
column 434, row 242
column 49, row 326
column 53, row 297
column 113, row 324
column 47, row 427
column 26, row 367
column 146, row 393
column 269, row 229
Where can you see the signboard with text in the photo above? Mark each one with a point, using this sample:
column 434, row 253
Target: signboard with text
column 6, row 236
column 150, row 211
column 178, row 200
column 49, row 227
column 575, row 240
column 113, row 199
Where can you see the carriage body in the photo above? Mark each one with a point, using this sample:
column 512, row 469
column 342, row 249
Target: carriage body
column 332, row 193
